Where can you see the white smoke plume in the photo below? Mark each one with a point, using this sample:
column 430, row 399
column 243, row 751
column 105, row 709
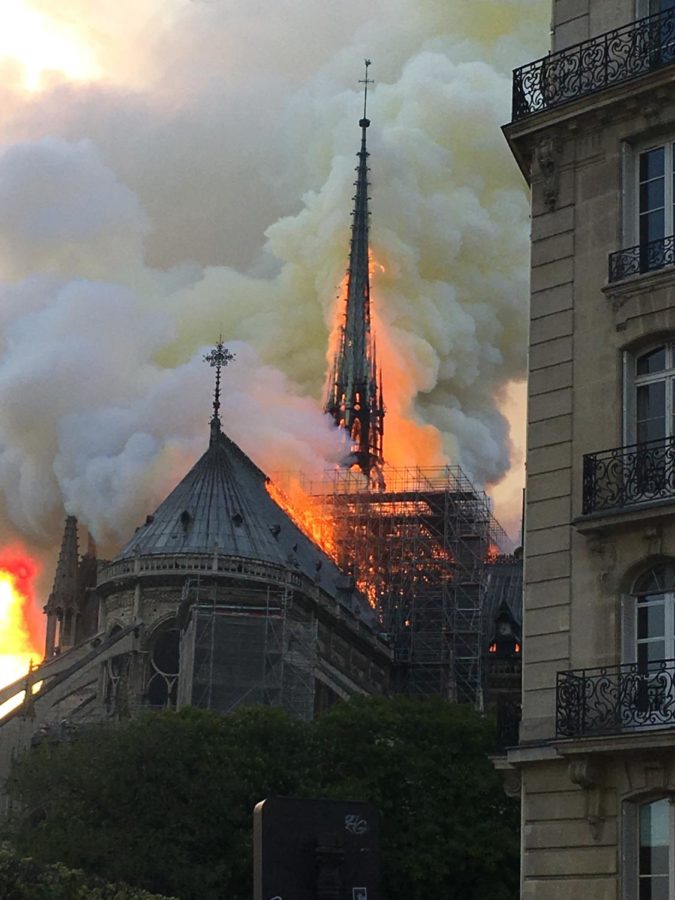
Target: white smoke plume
column 200, row 182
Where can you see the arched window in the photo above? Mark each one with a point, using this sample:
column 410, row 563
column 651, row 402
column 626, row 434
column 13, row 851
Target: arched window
column 655, row 851
column 646, row 682
column 649, row 846
column 651, row 625
column 116, row 669
column 652, row 394
column 164, row 657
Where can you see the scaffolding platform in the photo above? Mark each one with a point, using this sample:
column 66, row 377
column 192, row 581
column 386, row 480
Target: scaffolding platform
column 420, row 551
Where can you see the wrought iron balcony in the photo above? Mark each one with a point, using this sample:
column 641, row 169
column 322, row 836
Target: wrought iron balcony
column 642, row 258
column 611, row 700
column 640, row 473
column 593, row 65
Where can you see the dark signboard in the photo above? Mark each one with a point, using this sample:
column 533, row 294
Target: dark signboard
column 315, row 850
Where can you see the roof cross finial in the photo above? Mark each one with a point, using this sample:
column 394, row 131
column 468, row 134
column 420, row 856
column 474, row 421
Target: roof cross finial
column 220, row 356
column 364, row 123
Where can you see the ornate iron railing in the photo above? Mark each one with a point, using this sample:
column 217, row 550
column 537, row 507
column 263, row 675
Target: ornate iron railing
column 640, row 473
column 612, row 700
column 612, row 58
column 642, row 258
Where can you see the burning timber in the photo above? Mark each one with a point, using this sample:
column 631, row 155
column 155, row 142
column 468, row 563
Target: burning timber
column 421, row 551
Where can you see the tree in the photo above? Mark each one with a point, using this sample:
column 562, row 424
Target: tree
column 448, row 829
column 25, row 879
column 165, row 802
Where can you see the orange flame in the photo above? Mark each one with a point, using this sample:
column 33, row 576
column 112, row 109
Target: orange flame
column 306, row 513
column 19, row 620
column 407, row 441
column 492, row 553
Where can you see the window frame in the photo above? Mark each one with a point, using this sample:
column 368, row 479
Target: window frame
column 631, row 602
column 630, row 844
column 632, row 381
column 631, row 192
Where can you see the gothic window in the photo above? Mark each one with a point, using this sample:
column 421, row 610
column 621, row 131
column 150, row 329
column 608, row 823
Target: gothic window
column 162, row 683
column 113, row 670
column 116, row 671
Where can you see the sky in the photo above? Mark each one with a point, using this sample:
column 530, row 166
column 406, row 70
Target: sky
column 172, row 170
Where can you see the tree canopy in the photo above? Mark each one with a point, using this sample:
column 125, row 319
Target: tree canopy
column 165, row 802
column 25, row 879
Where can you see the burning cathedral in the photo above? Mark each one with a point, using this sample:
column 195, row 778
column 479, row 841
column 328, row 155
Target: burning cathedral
column 220, row 598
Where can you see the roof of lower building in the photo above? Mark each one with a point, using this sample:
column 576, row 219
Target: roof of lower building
column 222, row 505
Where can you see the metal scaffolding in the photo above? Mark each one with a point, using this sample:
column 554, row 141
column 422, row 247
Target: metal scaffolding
column 257, row 652
column 418, row 550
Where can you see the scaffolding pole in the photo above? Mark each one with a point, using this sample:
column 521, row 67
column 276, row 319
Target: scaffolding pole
column 418, row 550
column 261, row 651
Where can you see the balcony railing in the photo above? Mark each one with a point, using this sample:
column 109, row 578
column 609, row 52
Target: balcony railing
column 642, row 258
column 612, row 700
column 640, row 473
column 612, row 58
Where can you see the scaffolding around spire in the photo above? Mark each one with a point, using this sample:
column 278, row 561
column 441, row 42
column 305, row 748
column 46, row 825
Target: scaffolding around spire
column 355, row 390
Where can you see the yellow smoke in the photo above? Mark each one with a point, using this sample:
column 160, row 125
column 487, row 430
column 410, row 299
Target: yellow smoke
column 191, row 175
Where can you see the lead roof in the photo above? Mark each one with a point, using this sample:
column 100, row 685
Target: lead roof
column 223, row 505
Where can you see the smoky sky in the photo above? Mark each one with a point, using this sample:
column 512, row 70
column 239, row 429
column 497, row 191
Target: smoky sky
column 202, row 184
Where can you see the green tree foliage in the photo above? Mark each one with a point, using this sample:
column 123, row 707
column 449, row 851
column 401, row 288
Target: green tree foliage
column 448, row 829
column 25, row 879
column 165, row 802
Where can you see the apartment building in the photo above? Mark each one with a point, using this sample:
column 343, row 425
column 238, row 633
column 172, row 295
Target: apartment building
column 593, row 130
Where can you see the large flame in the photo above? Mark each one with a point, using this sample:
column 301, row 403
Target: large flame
column 306, row 512
column 19, row 620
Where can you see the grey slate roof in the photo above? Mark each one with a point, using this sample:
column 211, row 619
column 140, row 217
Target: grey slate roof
column 223, row 501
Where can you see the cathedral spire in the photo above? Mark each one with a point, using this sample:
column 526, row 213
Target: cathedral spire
column 62, row 606
column 354, row 393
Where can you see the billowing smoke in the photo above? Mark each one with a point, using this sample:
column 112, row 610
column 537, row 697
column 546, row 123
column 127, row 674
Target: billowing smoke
column 201, row 184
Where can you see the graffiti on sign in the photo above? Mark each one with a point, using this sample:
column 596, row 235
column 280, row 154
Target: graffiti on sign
column 356, row 825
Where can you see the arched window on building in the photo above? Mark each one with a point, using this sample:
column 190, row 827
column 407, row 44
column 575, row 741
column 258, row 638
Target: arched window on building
column 163, row 666
column 650, row 394
column 646, row 685
column 649, row 618
column 649, row 849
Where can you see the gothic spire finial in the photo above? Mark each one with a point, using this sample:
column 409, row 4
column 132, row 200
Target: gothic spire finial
column 220, row 356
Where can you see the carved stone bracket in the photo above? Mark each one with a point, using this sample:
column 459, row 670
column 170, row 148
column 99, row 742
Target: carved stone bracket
column 587, row 774
column 606, row 552
column 547, row 164
column 653, row 536
column 510, row 775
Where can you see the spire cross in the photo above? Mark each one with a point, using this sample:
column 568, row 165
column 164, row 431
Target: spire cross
column 365, row 82
column 220, row 356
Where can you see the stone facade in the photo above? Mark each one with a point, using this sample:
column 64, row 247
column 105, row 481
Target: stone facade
column 597, row 747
